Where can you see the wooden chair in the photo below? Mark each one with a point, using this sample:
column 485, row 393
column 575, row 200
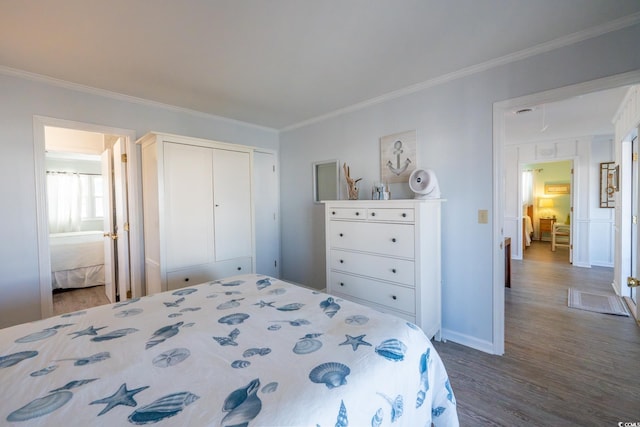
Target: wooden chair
column 560, row 236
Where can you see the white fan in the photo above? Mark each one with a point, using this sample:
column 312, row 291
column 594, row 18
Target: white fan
column 424, row 184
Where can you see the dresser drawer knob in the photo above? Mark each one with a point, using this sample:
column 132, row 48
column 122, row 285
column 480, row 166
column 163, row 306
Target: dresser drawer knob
column 357, row 213
column 404, row 215
column 341, row 261
column 333, row 212
column 341, row 235
column 186, row 279
column 393, row 297
column 393, row 239
column 341, row 284
column 239, row 268
column 373, row 214
column 393, row 270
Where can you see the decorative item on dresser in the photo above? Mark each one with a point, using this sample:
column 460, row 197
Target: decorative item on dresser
column 198, row 210
column 386, row 254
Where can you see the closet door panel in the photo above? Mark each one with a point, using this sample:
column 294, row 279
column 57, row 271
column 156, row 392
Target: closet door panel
column 232, row 201
column 188, row 205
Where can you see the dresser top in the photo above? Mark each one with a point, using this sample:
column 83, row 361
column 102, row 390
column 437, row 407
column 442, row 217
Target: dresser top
column 380, row 203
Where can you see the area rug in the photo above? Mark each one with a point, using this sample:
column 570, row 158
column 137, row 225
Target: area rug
column 607, row 304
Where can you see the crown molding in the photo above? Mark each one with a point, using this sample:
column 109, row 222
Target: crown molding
column 570, row 39
column 122, row 97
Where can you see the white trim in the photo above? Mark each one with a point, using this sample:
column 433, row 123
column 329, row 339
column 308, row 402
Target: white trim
column 499, row 108
column 467, row 340
column 122, row 97
column 135, row 233
column 570, row 39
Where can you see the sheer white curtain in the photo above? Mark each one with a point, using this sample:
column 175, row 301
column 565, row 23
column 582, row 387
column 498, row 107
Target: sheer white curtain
column 527, row 187
column 64, row 198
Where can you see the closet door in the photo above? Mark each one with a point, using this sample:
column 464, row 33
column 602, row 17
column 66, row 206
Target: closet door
column 188, row 205
column 232, row 202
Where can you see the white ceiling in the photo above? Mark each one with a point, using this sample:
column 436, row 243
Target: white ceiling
column 278, row 63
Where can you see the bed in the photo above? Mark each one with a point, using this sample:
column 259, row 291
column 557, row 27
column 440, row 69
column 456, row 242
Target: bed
column 77, row 259
column 527, row 226
column 249, row 350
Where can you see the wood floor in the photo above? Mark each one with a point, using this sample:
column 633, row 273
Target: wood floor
column 68, row 300
column 562, row 366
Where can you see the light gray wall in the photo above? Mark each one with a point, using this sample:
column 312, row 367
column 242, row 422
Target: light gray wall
column 20, row 100
column 454, row 128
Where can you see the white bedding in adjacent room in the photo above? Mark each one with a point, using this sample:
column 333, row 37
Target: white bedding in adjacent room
column 77, row 259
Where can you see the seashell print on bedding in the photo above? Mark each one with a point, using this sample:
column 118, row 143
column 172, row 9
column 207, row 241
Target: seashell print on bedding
column 88, row 331
column 171, row 357
column 376, row 420
column 342, row 420
column 165, row 407
column 44, row 371
column 277, row 291
column 119, row 333
column 73, row 384
column 81, row 361
column 397, row 406
column 15, row 358
column 233, row 283
column 175, row 304
column 329, row 307
column 41, row 406
column 163, row 334
column 263, row 283
column 229, row 304
column 230, row 339
column 75, row 313
column 238, row 364
column 184, row 291
column 356, row 319
column 242, row 405
column 392, row 349
column 270, row 388
column 234, row 319
column 256, row 352
column 331, row 374
column 45, row 333
column 120, row 397
column 291, row 307
column 127, row 302
column 128, row 313
column 307, row 345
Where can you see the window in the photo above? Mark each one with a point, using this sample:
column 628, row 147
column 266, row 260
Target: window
column 92, row 197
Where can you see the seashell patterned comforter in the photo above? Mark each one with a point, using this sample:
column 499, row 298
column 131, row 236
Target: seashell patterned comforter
column 245, row 351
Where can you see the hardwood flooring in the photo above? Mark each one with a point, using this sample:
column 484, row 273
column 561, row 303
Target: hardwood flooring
column 562, row 366
column 68, row 300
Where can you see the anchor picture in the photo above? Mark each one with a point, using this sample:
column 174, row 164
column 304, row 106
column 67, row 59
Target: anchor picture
column 397, row 156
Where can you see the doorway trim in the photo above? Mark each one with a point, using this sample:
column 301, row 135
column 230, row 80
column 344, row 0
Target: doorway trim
column 42, row 223
column 499, row 108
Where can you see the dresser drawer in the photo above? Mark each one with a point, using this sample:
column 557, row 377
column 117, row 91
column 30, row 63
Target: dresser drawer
column 204, row 273
column 348, row 213
column 385, row 294
column 386, row 239
column 391, row 214
column 383, row 268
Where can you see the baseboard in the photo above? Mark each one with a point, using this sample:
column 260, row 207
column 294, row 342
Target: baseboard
column 466, row 340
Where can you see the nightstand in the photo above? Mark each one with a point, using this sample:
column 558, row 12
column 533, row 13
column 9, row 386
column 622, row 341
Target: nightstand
column 545, row 227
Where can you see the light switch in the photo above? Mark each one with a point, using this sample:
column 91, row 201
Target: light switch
column 483, row 216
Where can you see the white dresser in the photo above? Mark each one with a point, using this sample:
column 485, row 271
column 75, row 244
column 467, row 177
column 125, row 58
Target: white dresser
column 386, row 254
column 198, row 210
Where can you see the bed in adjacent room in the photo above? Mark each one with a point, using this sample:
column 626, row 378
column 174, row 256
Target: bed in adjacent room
column 77, row 259
column 527, row 226
column 244, row 351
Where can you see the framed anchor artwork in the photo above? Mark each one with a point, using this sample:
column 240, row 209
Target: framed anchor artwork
column 397, row 156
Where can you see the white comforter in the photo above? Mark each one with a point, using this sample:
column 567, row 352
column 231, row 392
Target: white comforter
column 245, row 351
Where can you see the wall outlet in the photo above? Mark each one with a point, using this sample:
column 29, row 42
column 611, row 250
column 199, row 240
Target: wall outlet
column 483, row 216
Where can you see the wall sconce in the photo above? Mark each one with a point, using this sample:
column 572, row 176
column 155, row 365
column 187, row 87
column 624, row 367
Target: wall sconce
column 545, row 205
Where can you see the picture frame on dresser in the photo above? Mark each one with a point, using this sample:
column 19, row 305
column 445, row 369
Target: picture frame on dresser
column 326, row 180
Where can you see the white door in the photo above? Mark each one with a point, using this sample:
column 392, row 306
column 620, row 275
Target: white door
column 571, row 222
column 188, row 203
column 232, row 204
column 635, row 208
column 267, row 207
column 109, row 247
column 122, row 219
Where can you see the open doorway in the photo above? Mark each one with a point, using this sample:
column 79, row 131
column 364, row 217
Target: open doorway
column 508, row 221
column 83, row 213
column 547, row 205
column 85, row 183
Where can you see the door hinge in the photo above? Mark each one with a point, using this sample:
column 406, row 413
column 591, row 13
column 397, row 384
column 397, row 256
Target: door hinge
column 275, row 263
column 274, row 168
column 123, row 158
column 634, row 219
column 635, row 157
column 126, row 226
